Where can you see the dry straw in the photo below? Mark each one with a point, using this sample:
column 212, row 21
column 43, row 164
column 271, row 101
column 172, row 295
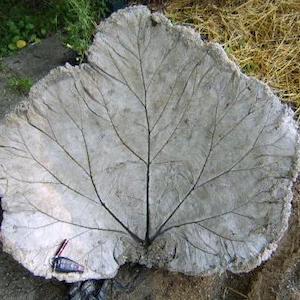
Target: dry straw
column 262, row 36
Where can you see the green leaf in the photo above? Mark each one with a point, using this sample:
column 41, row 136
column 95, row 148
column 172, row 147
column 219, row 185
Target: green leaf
column 29, row 26
column 16, row 38
column 21, row 23
column 43, row 31
column 12, row 47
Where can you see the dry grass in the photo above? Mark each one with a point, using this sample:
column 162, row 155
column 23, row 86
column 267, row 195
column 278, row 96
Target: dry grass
column 262, row 36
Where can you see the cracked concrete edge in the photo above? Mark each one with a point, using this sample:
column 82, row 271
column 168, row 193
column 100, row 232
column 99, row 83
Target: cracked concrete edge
column 23, row 106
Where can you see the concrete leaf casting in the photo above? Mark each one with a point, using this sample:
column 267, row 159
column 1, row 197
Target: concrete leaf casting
column 157, row 151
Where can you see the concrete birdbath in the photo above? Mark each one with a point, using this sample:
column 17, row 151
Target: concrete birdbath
column 157, row 151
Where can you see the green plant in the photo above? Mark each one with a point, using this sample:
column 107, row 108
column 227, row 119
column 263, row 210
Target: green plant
column 26, row 22
column 81, row 21
column 22, row 24
column 21, row 85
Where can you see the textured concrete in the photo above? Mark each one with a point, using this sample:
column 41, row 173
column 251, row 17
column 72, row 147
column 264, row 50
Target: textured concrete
column 157, row 151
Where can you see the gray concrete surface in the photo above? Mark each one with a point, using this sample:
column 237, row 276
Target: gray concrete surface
column 158, row 151
column 37, row 60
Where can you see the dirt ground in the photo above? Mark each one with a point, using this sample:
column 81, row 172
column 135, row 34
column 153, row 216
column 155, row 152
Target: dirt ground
column 278, row 278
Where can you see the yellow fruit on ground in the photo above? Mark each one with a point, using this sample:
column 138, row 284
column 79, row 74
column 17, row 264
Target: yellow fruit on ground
column 21, row 44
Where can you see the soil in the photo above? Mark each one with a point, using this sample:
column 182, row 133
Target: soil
column 278, row 278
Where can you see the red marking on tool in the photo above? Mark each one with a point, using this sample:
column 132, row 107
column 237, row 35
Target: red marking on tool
column 61, row 248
